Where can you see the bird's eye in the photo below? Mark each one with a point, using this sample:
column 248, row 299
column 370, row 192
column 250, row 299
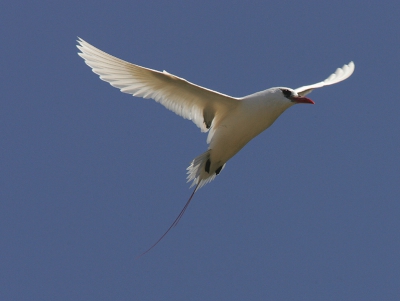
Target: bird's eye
column 287, row 93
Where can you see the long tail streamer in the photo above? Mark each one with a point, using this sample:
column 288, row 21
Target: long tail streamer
column 176, row 221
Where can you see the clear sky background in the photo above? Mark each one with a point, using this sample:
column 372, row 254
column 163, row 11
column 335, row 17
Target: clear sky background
column 91, row 177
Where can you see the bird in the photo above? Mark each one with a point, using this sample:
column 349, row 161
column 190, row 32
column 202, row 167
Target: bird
column 231, row 122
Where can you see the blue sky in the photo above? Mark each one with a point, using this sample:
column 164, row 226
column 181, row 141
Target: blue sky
column 91, row 177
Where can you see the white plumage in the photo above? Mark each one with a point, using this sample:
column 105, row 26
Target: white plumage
column 231, row 122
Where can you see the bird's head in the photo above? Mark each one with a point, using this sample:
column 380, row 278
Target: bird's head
column 290, row 95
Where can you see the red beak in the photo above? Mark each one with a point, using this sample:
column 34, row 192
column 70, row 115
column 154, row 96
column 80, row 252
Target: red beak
column 300, row 99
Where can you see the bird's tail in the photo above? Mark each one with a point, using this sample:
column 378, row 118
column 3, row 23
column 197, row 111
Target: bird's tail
column 197, row 170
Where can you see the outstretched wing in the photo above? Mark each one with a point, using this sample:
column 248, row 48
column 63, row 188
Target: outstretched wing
column 339, row 75
column 203, row 106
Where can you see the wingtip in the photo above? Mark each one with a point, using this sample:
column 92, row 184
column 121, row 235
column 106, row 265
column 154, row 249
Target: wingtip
column 79, row 44
column 351, row 67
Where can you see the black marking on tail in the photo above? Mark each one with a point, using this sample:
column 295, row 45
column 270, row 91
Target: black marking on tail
column 207, row 167
column 218, row 170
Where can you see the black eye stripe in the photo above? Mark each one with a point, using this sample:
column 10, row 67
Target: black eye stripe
column 286, row 92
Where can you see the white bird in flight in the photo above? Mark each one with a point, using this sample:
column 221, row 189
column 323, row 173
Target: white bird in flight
column 231, row 122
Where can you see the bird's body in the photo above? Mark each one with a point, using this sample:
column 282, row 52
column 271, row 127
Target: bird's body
column 230, row 122
column 251, row 117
